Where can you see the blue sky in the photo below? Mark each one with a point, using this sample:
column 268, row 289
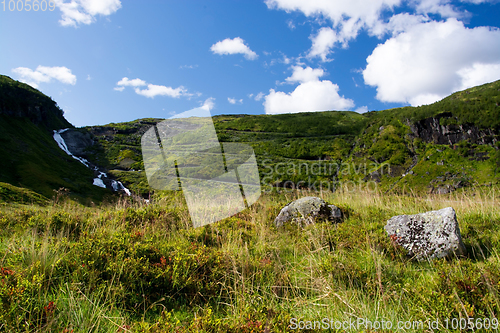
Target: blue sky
column 108, row 61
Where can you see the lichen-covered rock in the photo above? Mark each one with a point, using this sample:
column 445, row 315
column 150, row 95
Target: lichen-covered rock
column 307, row 210
column 428, row 235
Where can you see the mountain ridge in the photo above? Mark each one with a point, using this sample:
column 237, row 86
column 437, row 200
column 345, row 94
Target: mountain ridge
column 455, row 139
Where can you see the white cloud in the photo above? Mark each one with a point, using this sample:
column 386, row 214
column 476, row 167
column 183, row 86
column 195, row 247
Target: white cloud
column 322, row 43
column 398, row 23
column 209, row 104
column 259, row 96
column 307, row 97
column 375, row 16
column 477, row 2
column 77, row 12
column 362, row 109
column 432, row 60
column 478, row 74
column 233, row 46
column 151, row 90
column 347, row 17
column 441, row 7
column 45, row 74
column 126, row 82
column 154, row 90
column 234, row 100
column 303, row 75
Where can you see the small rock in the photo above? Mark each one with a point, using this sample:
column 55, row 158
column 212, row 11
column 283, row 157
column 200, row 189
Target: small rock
column 428, row 235
column 307, row 210
column 444, row 190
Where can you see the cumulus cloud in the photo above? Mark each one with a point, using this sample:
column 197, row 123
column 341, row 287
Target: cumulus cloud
column 303, row 75
column 45, row 74
column 77, row 12
column 154, row 90
column 126, row 82
column 398, row 23
column 151, row 90
column 309, row 96
column 432, row 60
column 362, row 109
column 233, row 46
column 234, row 100
column 478, row 74
column 322, row 43
column 377, row 17
column 347, row 17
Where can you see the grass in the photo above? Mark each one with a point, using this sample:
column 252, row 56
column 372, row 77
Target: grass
column 130, row 267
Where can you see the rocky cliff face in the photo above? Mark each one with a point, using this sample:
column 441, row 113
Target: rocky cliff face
column 77, row 141
column 23, row 101
column 433, row 130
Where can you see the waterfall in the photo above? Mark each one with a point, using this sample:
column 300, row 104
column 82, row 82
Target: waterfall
column 98, row 181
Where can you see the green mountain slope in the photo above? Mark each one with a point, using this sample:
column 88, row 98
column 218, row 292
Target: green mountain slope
column 439, row 148
column 30, row 157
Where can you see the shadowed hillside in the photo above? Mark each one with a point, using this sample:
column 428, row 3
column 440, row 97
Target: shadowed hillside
column 30, row 157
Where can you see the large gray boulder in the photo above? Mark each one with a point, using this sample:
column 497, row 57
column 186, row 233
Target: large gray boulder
column 428, row 235
column 307, row 210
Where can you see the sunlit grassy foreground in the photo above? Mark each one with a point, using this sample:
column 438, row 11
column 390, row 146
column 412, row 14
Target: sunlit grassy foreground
column 143, row 268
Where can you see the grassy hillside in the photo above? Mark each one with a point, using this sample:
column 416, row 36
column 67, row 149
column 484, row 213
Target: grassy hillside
column 392, row 150
column 335, row 149
column 29, row 156
column 143, row 268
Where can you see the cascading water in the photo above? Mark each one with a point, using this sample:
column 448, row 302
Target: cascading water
column 116, row 185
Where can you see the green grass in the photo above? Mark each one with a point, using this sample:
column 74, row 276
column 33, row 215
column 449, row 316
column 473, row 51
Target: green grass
column 14, row 194
column 133, row 267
